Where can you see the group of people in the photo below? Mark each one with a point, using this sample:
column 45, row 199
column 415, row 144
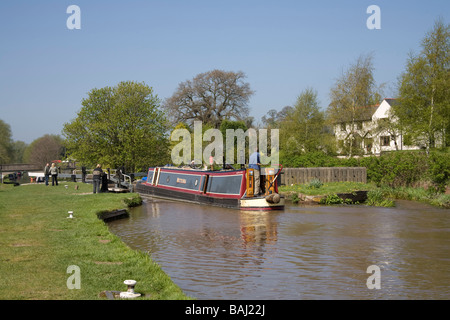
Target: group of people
column 51, row 171
column 97, row 176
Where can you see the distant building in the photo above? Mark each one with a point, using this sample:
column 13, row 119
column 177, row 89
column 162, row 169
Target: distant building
column 373, row 132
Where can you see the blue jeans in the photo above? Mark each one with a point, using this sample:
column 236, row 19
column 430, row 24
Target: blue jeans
column 96, row 186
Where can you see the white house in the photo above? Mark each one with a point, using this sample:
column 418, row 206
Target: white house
column 374, row 131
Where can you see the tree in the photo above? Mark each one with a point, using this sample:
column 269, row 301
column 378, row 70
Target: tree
column 5, row 142
column 424, row 89
column 274, row 117
column 119, row 125
column 355, row 89
column 18, row 150
column 44, row 149
column 302, row 130
column 210, row 97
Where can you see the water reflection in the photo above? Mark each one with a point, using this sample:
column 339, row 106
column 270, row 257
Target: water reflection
column 300, row 253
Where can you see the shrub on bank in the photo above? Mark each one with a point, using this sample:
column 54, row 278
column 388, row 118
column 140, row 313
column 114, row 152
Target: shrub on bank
column 393, row 169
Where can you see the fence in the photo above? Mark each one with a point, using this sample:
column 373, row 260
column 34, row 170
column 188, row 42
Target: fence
column 330, row 174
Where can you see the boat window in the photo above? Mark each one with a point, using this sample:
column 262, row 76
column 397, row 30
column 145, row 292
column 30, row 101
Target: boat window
column 224, row 184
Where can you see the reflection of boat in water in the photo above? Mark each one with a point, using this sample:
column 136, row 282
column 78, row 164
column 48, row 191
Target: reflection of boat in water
column 226, row 188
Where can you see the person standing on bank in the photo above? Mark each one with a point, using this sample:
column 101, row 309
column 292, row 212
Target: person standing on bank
column 97, row 177
column 255, row 163
column 46, row 173
column 54, row 173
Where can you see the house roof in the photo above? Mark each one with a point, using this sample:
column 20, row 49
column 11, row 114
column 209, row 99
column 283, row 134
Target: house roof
column 365, row 113
column 362, row 114
column 391, row 101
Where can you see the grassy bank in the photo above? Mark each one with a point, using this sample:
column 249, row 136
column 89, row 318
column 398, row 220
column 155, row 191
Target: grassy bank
column 317, row 188
column 377, row 196
column 38, row 243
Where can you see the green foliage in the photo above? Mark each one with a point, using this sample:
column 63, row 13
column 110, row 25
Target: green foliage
column 332, row 199
column 295, row 199
column 119, row 125
column 135, row 201
column 379, row 199
column 408, row 168
column 310, row 159
column 439, row 169
column 442, row 200
column 424, row 107
column 315, row 184
column 402, row 168
column 5, row 142
column 302, row 128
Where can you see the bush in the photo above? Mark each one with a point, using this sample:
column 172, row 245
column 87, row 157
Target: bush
column 378, row 198
column 439, row 170
column 295, row 198
column 395, row 169
column 133, row 202
column 331, row 199
column 315, row 184
column 309, row 160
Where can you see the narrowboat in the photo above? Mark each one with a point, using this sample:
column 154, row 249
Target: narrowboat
column 224, row 188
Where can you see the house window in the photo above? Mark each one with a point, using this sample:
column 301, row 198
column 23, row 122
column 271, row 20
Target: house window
column 368, row 143
column 359, row 125
column 385, row 141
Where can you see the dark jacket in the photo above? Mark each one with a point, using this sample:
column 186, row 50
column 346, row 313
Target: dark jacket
column 97, row 174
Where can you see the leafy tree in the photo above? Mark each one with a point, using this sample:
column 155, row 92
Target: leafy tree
column 302, row 129
column 210, row 97
column 355, row 89
column 424, row 89
column 18, row 150
column 5, row 142
column 119, row 125
column 273, row 118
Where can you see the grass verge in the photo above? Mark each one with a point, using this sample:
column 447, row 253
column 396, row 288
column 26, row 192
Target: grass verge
column 311, row 189
column 38, row 244
column 377, row 196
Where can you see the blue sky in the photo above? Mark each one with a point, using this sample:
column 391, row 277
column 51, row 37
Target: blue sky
column 283, row 47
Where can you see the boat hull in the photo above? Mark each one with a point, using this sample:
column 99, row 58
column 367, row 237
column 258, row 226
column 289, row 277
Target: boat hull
column 149, row 190
column 222, row 189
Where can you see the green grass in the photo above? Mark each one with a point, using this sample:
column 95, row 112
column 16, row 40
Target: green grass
column 377, row 196
column 38, row 243
column 327, row 188
column 418, row 194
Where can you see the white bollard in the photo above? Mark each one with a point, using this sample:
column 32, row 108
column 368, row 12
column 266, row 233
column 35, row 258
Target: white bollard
column 130, row 292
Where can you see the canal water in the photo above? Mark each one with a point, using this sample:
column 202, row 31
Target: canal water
column 303, row 252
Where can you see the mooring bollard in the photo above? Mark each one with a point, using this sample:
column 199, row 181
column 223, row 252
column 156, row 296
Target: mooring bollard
column 130, row 291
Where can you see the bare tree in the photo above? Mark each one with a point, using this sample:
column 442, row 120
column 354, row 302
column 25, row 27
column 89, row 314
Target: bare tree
column 44, row 150
column 210, row 97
